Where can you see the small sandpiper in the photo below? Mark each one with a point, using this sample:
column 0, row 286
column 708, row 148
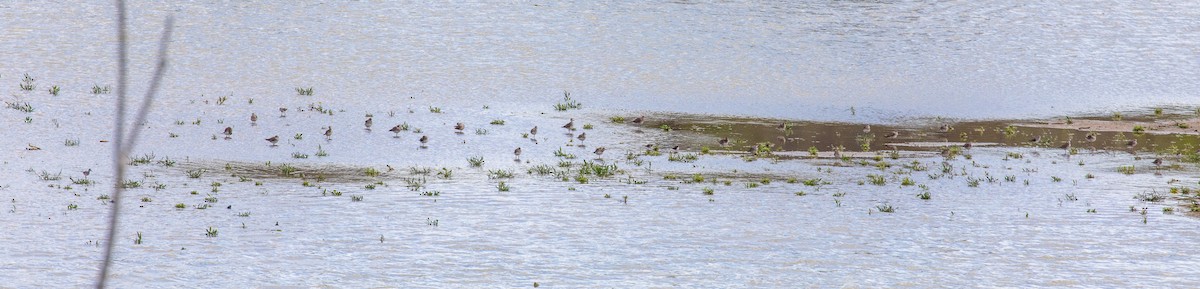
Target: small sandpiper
column 599, row 151
column 533, row 131
column 724, row 141
column 1066, row 146
column 639, row 119
column 253, row 117
column 782, row 126
column 368, row 123
column 87, row 172
column 892, row 134
column 328, row 132
column 1036, row 139
column 570, row 125
column 944, row 129
column 517, row 152
column 396, row 130
column 582, row 136
column 1158, row 162
column 967, row 145
column 1091, row 137
column 273, row 140
column 228, row 132
column 867, row 129
column 459, row 128
column 1132, row 143
column 424, row 140
column 282, row 112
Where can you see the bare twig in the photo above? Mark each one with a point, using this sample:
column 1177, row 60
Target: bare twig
column 121, row 145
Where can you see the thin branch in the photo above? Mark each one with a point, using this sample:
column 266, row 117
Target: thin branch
column 121, row 145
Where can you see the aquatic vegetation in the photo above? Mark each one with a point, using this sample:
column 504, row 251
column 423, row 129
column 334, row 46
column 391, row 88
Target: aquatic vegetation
column 371, row 172
column 907, row 182
column 431, row 193
column 480, row 131
column 299, row 156
column 23, row 107
column 497, row 122
column 617, row 119
column 445, row 173
column 97, row 89
column 195, row 173
column 503, row 187
column 499, row 174
column 180, row 206
column 211, row 232
column 1152, row 196
column 1128, row 170
column 414, row 184
column 435, row 109
column 321, row 152
column 682, row 157
column 356, row 198
column 708, row 191
column 560, row 153
column 587, row 126
column 1137, row 129
column 304, row 91
column 476, row 161
column 47, row 176
column 924, row 195
column 72, row 206
column 27, row 83
column 567, row 103
column 298, row 136
column 591, row 168
column 877, row 180
column 420, row 170
column 665, row 127
column 129, row 184
column 885, row 208
column 141, row 160
column 287, row 170
column 54, row 90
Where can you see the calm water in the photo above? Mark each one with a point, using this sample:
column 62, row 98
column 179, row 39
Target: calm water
column 967, row 59
column 1051, row 225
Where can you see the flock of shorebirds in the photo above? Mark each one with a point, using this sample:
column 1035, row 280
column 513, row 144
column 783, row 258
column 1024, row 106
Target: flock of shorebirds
column 599, row 151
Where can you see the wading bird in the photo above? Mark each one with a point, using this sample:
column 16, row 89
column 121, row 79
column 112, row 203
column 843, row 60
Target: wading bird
column 273, row 140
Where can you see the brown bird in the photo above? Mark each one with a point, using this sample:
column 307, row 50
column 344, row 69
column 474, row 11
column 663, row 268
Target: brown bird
column 599, row 151
column 867, row 129
column 368, row 123
column 639, row 119
column 782, row 125
column 675, row 148
column 517, row 152
column 282, row 112
column 892, row 134
column 273, row 140
column 459, row 127
column 724, row 141
column 582, row 136
column 1091, row 137
column 1132, row 143
column 253, row 117
column 87, row 172
column 396, row 129
column 533, row 131
column 424, row 139
column 1066, row 146
column 329, row 132
column 570, row 125
column 1036, row 139
column 967, row 145
column 1158, row 162
column 228, row 132
column 944, row 128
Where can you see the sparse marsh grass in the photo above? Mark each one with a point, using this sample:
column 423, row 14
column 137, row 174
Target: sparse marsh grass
column 27, row 83
column 299, row 155
column 480, row 131
column 195, row 173
column 1128, row 170
column 420, row 170
column 371, row 172
column 445, row 173
column 321, row 152
column 617, row 119
column 434, row 109
column 141, row 160
column 47, row 176
column 682, row 157
column 497, row 122
column 541, row 170
column 54, row 90
column 599, row 170
column 301, row 91
column 500, row 174
column 924, row 195
column 708, row 191
column 475, row 161
column 1152, row 196
column 211, row 232
column 877, row 180
column 503, row 187
column 97, row 89
column 567, row 103
column 23, row 106
column 885, row 208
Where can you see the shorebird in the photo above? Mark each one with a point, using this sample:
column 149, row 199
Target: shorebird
column 424, row 139
column 328, row 132
column 1036, row 139
column 1066, row 146
column 967, row 145
column 944, row 128
column 675, row 148
column 1132, row 143
column 867, row 129
column 396, row 129
column 253, row 117
column 570, row 125
column 1157, row 162
column 599, row 151
column 273, row 140
column 533, row 131
column 892, row 134
column 782, row 126
column 87, row 172
column 228, row 132
column 724, row 141
column 639, row 119
column 582, row 136
column 459, row 127
column 517, row 152
column 1091, row 137
column 282, row 112
column 368, row 123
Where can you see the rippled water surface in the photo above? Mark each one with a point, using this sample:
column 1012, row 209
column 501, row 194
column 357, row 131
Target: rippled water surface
column 1006, row 213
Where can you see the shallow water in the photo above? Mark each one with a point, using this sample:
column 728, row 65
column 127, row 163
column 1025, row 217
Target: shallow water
column 803, row 60
column 1016, row 214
